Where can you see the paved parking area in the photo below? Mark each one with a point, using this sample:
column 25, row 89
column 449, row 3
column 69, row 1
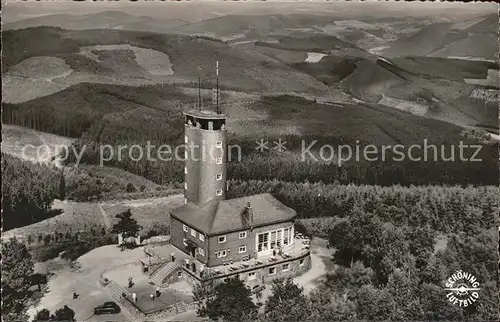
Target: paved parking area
column 84, row 281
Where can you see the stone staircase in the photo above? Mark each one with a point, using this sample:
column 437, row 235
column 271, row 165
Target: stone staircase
column 162, row 273
column 128, row 309
column 180, row 307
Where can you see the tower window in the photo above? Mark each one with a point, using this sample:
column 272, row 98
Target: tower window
column 218, row 144
column 185, row 170
column 218, row 176
column 185, row 139
column 218, row 192
column 218, row 160
column 185, row 185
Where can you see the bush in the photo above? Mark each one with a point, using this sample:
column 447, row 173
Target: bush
column 130, row 188
column 42, row 315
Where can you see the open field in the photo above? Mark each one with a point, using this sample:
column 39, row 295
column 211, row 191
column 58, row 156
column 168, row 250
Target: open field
column 82, row 216
column 74, row 217
column 32, row 145
column 152, row 61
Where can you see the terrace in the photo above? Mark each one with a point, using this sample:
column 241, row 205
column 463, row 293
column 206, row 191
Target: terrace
column 299, row 248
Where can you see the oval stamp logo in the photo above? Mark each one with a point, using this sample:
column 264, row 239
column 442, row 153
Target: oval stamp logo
column 464, row 288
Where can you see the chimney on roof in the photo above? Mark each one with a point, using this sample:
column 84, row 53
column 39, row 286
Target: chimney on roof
column 249, row 213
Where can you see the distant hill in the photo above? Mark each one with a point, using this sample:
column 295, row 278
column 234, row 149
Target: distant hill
column 101, row 20
column 478, row 39
column 239, row 26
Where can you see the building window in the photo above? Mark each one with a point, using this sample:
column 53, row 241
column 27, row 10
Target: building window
column 251, row 276
column 218, row 192
column 286, row 267
column 242, row 249
column 185, row 154
column 221, row 254
column 218, row 160
column 301, row 262
column 185, row 185
column 185, row 201
column 201, row 251
column 272, row 270
column 263, row 242
column 243, row 234
column 202, row 237
column 287, row 236
column 218, row 176
column 193, row 232
column 185, row 139
column 185, row 228
column 218, row 144
column 273, row 239
column 185, row 170
column 222, row 239
column 184, row 241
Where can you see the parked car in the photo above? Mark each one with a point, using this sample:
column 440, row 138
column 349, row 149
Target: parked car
column 107, row 308
column 257, row 288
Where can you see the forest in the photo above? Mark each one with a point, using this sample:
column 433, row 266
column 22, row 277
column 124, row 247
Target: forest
column 389, row 263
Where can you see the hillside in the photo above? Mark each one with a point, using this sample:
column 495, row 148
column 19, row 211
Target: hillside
column 316, row 43
column 439, row 88
column 114, row 56
column 477, row 39
column 368, row 123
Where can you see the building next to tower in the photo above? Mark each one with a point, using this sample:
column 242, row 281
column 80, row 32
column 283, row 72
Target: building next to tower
column 252, row 237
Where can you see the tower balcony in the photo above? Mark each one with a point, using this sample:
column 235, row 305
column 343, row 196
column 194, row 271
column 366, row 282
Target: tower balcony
column 206, row 120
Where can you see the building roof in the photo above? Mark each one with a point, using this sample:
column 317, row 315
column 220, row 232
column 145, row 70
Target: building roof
column 217, row 217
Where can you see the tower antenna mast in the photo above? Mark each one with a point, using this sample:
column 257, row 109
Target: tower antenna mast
column 217, row 87
column 199, row 88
